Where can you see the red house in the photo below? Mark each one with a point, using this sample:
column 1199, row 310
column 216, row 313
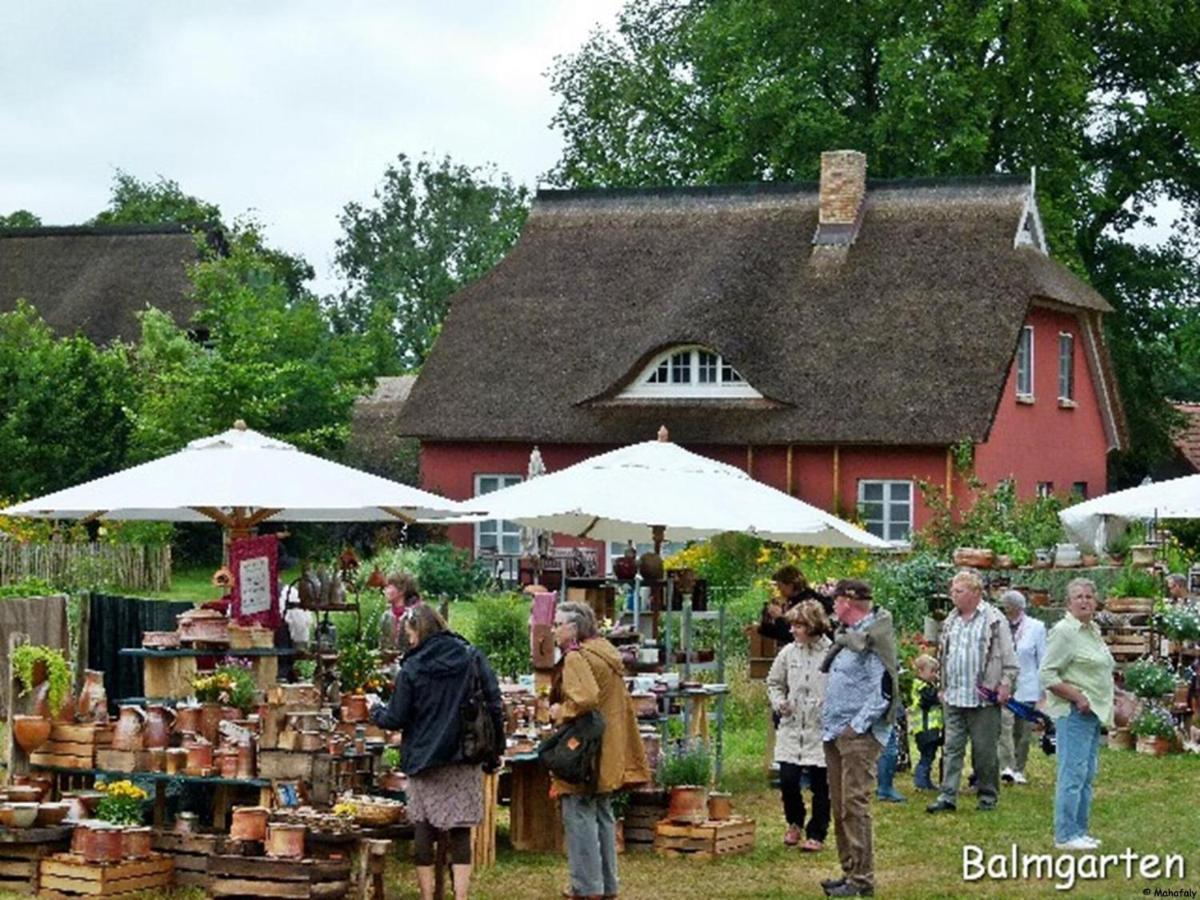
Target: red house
column 838, row 340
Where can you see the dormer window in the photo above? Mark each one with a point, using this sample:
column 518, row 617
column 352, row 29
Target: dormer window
column 690, row 372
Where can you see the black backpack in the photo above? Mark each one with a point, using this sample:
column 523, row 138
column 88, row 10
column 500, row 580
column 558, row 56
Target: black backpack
column 477, row 730
column 572, row 753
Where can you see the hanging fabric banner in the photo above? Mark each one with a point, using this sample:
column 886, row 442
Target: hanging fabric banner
column 255, row 565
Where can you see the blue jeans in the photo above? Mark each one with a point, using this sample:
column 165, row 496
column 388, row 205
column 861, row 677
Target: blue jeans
column 1078, row 752
column 591, row 843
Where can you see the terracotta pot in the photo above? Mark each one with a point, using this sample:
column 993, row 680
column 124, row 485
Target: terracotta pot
column 199, row 755
column 974, row 557
column 51, row 814
column 128, row 732
column 177, row 760
column 1039, row 597
column 185, row 823
column 105, row 843
column 1154, row 746
column 1120, row 739
column 336, row 744
column 720, row 805
column 645, row 704
column 18, row 815
column 30, row 732
column 156, row 732
column 135, row 843
column 210, row 721
column 44, row 782
column 688, row 804
column 393, row 781
column 285, row 841
column 227, row 763
column 83, row 804
column 249, row 823
column 246, row 762
column 685, row 581
column 354, row 707
column 92, row 705
column 187, row 718
column 157, row 759
column 651, row 567
column 311, row 741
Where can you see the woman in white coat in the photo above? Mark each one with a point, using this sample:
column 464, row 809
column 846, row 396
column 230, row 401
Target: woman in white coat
column 796, row 689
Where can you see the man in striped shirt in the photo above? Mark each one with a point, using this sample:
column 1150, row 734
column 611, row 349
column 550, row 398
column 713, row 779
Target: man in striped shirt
column 977, row 655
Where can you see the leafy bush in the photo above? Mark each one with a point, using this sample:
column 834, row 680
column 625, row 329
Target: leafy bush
column 58, row 672
column 502, row 632
column 1149, row 680
column 1153, row 721
column 1135, row 583
column 996, row 514
column 445, row 571
column 904, row 588
column 27, row 587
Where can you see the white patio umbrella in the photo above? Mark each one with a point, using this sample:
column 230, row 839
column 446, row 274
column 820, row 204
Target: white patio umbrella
column 657, row 491
column 239, row 479
column 1093, row 522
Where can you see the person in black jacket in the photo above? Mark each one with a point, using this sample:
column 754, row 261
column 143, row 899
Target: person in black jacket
column 791, row 587
column 444, row 793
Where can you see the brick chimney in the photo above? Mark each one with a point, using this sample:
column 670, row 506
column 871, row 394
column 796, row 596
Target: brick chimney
column 843, row 189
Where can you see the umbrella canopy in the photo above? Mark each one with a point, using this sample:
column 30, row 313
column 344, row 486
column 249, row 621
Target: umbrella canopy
column 657, row 490
column 1094, row 521
column 239, row 479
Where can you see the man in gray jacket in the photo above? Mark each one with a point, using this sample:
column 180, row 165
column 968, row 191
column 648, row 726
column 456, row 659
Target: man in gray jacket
column 979, row 671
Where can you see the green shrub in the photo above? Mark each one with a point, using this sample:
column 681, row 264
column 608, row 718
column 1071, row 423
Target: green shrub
column 502, row 632
column 1135, row 583
column 904, row 588
column 27, row 587
column 58, row 672
column 445, row 571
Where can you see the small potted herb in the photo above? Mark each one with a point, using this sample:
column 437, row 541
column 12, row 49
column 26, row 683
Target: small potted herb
column 1154, row 729
column 684, row 773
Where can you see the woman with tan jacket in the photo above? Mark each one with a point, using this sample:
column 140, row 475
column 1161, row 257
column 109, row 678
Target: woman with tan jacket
column 590, row 676
column 796, row 690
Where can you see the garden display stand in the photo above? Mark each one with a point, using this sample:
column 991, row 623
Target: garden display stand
column 168, row 674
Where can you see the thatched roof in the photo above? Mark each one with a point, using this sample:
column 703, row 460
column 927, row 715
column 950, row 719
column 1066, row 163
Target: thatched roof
column 95, row 279
column 372, row 422
column 905, row 337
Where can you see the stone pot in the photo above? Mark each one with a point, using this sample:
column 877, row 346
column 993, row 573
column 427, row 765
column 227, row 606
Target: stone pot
column 135, row 842
column 249, row 823
column 720, row 805
column 285, row 841
column 688, row 804
column 31, row 732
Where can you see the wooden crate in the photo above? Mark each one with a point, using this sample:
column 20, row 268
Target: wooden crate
column 109, row 760
column 191, row 853
column 285, row 765
column 69, row 875
column 643, row 814
column 241, row 876
column 21, row 851
column 706, row 840
column 1126, row 645
column 72, row 746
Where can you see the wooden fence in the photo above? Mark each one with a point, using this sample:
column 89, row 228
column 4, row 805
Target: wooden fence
column 129, row 567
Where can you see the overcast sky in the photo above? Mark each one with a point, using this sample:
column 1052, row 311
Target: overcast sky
column 290, row 109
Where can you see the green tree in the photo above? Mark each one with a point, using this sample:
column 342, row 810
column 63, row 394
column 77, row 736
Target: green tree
column 20, row 218
column 63, row 407
column 432, row 227
column 1102, row 96
column 272, row 359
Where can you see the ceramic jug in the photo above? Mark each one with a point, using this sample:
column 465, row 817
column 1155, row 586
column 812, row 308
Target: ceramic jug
column 128, row 732
column 92, row 705
column 156, row 731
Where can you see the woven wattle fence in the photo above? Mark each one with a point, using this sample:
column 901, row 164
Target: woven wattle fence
column 130, row 567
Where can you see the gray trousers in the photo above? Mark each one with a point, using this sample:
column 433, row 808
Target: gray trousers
column 1015, row 734
column 982, row 725
column 591, row 843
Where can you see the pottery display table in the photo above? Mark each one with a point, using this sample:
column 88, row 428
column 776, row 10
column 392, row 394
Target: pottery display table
column 168, row 674
column 224, row 789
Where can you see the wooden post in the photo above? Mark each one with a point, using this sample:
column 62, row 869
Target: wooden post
column 750, row 460
column 837, row 479
column 790, row 479
column 949, row 475
column 18, row 760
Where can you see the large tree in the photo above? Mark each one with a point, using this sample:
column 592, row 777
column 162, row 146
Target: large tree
column 1102, row 96
column 20, row 218
column 433, row 226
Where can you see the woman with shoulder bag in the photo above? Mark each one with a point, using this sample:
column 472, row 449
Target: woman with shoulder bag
column 590, row 676
column 445, row 794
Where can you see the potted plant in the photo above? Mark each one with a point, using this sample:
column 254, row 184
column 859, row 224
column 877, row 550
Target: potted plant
column 1154, row 729
column 1180, row 622
column 121, row 806
column 391, row 778
column 36, row 666
column 1149, row 680
column 684, row 772
column 230, row 685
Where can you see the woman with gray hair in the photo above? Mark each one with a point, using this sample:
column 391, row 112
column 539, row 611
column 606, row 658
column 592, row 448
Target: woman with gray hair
column 1029, row 640
column 591, row 676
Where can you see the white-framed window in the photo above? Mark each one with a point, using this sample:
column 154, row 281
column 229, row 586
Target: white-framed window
column 1025, row 363
column 496, row 535
column 886, row 508
column 1045, row 489
column 1066, row 366
column 692, row 372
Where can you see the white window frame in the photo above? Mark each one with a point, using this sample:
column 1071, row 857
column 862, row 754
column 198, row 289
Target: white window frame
column 500, row 527
column 1044, row 490
column 882, row 528
column 1025, row 361
column 1066, row 355
column 690, row 387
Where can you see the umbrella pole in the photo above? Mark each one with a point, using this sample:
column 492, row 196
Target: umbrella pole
column 657, row 533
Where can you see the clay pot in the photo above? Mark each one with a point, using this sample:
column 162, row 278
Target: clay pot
column 354, row 707
column 974, row 557
column 1120, row 739
column 92, row 705
column 210, row 721
column 44, row 782
column 1154, row 746
column 651, row 567
column 393, row 781
column 311, row 741
column 157, row 759
column 177, row 760
column 51, row 814
column 156, row 732
column 82, row 804
column 1039, row 597
column 625, row 567
column 285, row 841
column 645, row 704
column 187, row 718
column 103, row 843
column 246, row 764
column 688, row 804
column 18, row 815
column 227, row 763
column 199, row 755
column 336, row 744
column 128, row 732
column 685, row 581
column 185, row 823
column 135, row 843
column 720, row 805
column 30, row 732
column 249, row 823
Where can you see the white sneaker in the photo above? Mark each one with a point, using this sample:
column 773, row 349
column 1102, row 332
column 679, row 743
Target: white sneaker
column 1095, row 842
column 1007, row 776
column 1019, row 778
column 1077, row 843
